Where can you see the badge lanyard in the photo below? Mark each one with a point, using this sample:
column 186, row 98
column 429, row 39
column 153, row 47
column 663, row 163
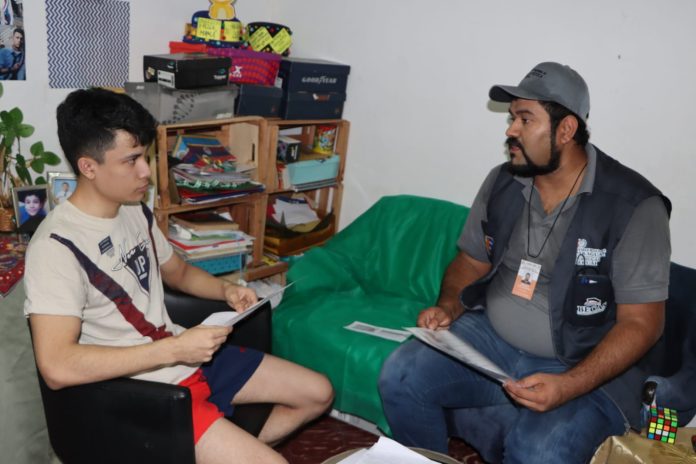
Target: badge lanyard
column 528, row 273
column 529, row 214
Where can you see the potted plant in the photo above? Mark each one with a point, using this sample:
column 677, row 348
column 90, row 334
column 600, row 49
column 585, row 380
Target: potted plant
column 15, row 167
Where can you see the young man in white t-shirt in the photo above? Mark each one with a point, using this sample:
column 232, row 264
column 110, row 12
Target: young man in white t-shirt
column 94, row 273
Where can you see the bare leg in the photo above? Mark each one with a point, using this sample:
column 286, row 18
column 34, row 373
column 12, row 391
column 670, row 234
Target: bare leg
column 299, row 395
column 225, row 443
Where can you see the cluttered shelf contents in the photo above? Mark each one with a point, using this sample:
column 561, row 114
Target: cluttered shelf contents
column 216, row 154
column 212, row 168
column 306, row 191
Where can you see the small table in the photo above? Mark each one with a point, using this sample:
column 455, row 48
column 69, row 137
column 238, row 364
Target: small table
column 435, row 456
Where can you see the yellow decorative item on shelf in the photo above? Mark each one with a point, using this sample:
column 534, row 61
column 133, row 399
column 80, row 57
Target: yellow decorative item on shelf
column 221, row 9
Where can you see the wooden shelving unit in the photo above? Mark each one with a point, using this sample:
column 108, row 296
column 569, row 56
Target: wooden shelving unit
column 253, row 141
column 327, row 198
column 245, row 137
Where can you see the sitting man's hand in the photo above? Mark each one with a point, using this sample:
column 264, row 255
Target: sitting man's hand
column 539, row 392
column 434, row 318
column 239, row 298
column 198, row 344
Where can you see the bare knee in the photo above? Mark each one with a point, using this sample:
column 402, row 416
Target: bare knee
column 225, row 443
column 321, row 396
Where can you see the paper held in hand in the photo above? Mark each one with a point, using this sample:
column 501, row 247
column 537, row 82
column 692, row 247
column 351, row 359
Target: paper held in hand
column 230, row 318
column 450, row 344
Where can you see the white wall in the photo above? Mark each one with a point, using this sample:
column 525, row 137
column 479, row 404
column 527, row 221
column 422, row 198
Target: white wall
column 418, row 89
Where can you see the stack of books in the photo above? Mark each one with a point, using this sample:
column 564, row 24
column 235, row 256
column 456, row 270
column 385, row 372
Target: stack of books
column 206, row 171
column 209, row 241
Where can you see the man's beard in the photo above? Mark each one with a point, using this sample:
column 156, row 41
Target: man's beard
column 532, row 169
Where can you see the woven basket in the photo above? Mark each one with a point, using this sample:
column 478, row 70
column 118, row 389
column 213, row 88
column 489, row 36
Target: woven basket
column 250, row 67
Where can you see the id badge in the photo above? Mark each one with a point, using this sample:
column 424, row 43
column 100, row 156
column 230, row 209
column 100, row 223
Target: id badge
column 526, row 280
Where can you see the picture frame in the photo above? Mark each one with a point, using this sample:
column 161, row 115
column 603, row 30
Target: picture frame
column 60, row 186
column 31, row 206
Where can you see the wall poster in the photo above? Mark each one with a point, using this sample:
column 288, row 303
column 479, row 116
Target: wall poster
column 12, row 53
column 87, row 43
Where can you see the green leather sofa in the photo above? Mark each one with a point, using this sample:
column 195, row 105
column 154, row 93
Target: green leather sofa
column 382, row 269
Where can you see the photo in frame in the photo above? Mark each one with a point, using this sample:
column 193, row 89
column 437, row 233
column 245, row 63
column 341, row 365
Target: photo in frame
column 60, row 186
column 31, row 206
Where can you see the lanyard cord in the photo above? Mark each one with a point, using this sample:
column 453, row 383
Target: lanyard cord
column 529, row 214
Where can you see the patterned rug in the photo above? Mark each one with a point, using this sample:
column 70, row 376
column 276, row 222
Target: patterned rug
column 12, row 249
column 327, row 437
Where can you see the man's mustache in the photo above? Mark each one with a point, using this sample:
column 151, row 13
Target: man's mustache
column 512, row 142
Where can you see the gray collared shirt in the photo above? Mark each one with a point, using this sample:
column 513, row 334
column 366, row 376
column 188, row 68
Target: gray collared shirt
column 640, row 267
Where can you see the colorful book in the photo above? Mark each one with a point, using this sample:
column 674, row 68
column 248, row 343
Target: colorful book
column 203, row 220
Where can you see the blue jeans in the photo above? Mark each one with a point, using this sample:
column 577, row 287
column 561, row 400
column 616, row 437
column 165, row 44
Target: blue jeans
column 418, row 383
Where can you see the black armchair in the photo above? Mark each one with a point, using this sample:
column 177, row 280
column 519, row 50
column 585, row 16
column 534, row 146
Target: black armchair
column 674, row 384
column 135, row 421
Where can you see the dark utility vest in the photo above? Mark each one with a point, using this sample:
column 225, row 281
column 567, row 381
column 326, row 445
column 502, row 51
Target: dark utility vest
column 581, row 299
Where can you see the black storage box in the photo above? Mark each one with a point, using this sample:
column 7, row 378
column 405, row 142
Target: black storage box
column 307, row 75
column 258, row 100
column 186, row 70
column 309, row 105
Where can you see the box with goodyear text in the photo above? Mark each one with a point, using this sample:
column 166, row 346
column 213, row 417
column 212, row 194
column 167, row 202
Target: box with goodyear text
column 317, row 76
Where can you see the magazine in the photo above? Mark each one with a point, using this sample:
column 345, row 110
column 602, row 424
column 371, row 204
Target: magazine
column 450, row 344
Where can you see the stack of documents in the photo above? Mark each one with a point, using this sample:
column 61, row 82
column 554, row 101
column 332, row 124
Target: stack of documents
column 208, row 172
column 294, row 213
column 206, row 244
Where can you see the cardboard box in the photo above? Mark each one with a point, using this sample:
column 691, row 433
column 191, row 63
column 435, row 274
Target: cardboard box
column 309, row 75
column 171, row 106
column 313, row 170
column 258, row 100
column 309, row 105
column 186, row 70
column 288, row 149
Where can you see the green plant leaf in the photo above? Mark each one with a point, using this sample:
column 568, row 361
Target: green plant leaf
column 37, row 165
column 37, row 149
column 6, row 118
column 23, row 173
column 16, row 117
column 25, row 130
column 40, row 180
column 50, row 158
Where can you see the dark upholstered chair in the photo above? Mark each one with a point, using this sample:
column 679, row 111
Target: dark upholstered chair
column 674, row 384
column 134, row 421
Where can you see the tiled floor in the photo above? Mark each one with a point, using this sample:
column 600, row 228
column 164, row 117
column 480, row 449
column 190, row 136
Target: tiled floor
column 327, row 437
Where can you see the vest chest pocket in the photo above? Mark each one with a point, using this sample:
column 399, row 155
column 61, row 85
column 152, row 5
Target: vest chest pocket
column 592, row 298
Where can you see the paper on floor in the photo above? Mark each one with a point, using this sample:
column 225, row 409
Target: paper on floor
column 386, row 451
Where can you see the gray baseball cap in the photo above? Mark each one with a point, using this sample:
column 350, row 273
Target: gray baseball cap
column 552, row 82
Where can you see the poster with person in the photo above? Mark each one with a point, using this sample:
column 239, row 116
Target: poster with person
column 12, row 39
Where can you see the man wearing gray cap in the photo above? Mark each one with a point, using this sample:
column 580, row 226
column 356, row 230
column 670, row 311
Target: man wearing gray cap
column 560, row 280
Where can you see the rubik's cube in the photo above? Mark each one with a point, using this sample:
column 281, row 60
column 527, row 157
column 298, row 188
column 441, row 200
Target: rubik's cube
column 662, row 425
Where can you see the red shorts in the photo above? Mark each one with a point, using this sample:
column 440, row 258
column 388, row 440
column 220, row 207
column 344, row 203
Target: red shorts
column 204, row 412
column 216, row 383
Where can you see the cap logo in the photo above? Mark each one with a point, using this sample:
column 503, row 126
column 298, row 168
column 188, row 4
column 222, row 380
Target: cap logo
column 536, row 73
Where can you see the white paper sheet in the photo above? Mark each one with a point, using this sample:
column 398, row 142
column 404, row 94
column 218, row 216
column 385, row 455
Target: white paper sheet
column 447, row 342
column 230, row 318
column 376, row 331
column 386, row 451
